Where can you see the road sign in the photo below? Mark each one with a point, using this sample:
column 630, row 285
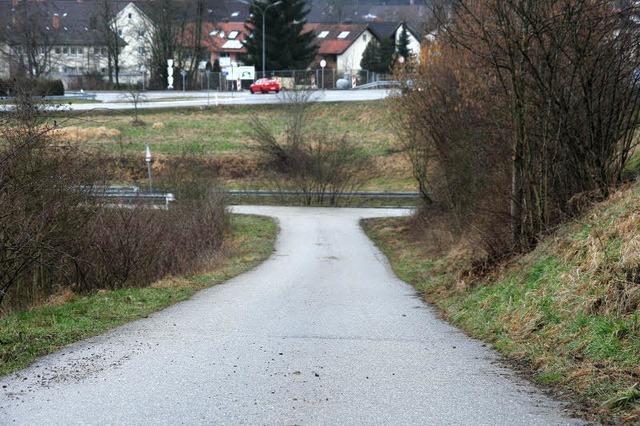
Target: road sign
column 323, row 63
column 242, row 73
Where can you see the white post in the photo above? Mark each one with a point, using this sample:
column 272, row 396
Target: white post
column 170, row 74
column 147, row 159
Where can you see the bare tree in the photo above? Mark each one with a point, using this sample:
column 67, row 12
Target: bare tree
column 135, row 95
column 30, row 34
column 568, row 71
column 108, row 27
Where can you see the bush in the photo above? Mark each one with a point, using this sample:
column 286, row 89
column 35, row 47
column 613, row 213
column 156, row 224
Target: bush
column 35, row 87
column 55, row 236
column 514, row 111
column 320, row 165
column 136, row 247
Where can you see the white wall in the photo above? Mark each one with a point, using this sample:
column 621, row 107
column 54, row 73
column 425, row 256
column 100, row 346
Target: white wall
column 136, row 31
column 4, row 62
column 414, row 43
column 349, row 61
column 85, row 59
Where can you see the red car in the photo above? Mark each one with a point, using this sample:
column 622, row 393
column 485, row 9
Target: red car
column 266, row 85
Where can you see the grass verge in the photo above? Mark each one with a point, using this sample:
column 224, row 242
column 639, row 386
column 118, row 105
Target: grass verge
column 567, row 313
column 24, row 336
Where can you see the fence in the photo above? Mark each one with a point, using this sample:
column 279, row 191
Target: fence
column 218, row 81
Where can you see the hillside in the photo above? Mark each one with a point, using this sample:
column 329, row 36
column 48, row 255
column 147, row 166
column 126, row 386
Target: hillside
column 568, row 313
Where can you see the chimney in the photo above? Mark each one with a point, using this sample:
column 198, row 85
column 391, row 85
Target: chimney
column 55, row 21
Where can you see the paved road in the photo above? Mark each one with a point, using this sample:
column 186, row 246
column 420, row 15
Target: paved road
column 321, row 333
column 163, row 100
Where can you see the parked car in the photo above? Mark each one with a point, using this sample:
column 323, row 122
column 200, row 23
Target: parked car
column 265, row 85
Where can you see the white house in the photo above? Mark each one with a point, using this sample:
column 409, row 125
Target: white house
column 341, row 45
column 393, row 30
column 136, row 29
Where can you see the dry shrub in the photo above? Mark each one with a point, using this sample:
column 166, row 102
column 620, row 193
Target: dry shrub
column 138, row 246
column 54, row 238
column 320, row 165
column 454, row 133
column 519, row 106
column 157, row 126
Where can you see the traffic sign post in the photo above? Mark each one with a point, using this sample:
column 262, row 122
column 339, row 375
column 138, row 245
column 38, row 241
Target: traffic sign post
column 183, row 73
column 323, row 64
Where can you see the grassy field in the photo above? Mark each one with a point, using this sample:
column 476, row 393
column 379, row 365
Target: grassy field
column 569, row 311
column 223, row 130
column 220, row 135
column 68, row 318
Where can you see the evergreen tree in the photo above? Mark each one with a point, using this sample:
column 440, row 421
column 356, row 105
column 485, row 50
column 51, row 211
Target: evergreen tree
column 387, row 50
column 403, row 44
column 370, row 56
column 287, row 46
column 378, row 56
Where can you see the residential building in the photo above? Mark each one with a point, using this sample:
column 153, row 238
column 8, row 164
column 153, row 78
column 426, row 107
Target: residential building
column 341, row 45
column 393, row 30
column 224, row 41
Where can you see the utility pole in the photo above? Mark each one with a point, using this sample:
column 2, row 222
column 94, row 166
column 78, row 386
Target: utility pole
column 264, row 14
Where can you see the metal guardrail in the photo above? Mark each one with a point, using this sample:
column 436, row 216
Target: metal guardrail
column 382, row 84
column 355, row 194
column 129, row 196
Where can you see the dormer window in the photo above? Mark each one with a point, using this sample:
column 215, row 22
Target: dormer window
column 323, row 34
column 232, row 35
column 343, row 34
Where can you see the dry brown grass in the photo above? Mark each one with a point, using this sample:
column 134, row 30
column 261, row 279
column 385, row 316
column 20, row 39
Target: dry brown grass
column 84, row 134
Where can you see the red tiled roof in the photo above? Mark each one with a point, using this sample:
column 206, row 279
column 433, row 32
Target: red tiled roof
column 331, row 44
column 215, row 43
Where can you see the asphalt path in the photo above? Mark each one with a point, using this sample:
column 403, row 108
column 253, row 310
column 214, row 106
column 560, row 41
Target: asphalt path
column 321, row 333
column 168, row 99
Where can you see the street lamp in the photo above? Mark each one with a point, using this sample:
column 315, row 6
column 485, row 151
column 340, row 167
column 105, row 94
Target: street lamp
column 264, row 14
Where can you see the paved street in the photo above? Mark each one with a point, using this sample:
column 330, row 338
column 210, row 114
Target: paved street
column 321, row 333
column 166, row 99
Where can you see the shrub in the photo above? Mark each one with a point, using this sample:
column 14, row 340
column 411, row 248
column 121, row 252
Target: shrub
column 35, row 87
column 55, row 236
column 320, row 165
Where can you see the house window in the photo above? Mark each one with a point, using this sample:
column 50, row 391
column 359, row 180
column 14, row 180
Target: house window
column 232, row 35
column 73, row 50
column 129, row 16
column 103, row 51
column 58, row 50
column 344, row 34
column 141, row 50
column 96, row 50
column 65, row 50
column 80, row 50
column 323, row 34
column 120, row 33
column 364, row 37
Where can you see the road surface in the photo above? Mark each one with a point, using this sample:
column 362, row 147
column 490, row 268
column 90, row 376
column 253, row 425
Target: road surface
column 163, row 100
column 321, row 333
